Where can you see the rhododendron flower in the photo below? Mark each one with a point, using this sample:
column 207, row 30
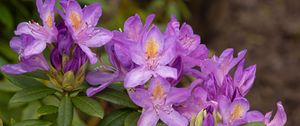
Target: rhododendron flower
column 157, row 102
column 42, row 34
column 152, row 56
column 82, row 25
column 27, row 64
column 187, row 43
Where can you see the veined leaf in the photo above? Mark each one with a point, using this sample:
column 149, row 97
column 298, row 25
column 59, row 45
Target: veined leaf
column 65, row 112
column 23, row 81
column 30, row 112
column 132, row 119
column 115, row 118
column 33, row 122
column 46, row 110
column 31, row 94
column 116, row 97
column 88, row 106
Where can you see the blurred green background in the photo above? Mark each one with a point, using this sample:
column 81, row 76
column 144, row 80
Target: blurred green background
column 269, row 29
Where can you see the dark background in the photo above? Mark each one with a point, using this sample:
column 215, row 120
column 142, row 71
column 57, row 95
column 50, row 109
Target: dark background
column 268, row 29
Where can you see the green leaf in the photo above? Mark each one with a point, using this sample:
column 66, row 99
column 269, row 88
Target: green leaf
column 132, row 119
column 254, row 124
column 23, row 81
column 65, row 112
column 7, row 86
column 31, row 94
column 116, row 97
column 33, row 122
column 38, row 74
column 46, row 110
column 88, row 106
column 30, row 112
column 76, row 120
column 115, row 118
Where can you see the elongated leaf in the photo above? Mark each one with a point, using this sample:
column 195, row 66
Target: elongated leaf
column 31, row 94
column 116, row 97
column 65, row 112
column 33, row 122
column 254, row 124
column 30, row 112
column 23, row 81
column 132, row 119
column 88, row 106
column 38, row 74
column 7, row 86
column 47, row 109
column 115, row 118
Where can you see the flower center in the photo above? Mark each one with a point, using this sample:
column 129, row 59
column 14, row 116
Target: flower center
column 75, row 20
column 49, row 20
column 151, row 49
column 236, row 113
column 158, row 91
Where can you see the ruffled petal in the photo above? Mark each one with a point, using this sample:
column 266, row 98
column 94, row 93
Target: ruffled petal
column 92, row 13
column 148, row 118
column 173, row 118
column 141, row 97
column 178, row 95
column 137, row 76
column 35, row 47
column 280, row 117
column 99, row 77
column 92, row 56
column 94, row 90
column 166, row 72
column 97, row 38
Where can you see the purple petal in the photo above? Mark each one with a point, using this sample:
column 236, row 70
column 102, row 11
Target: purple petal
column 280, row 117
column 97, row 38
column 173, row 27
column 141, row 97
column 26, row 65
column 166, row 72
column 209, row 120
column 94, row 90
column 172, row 118
column 74, row 15
column 153, row 42
column 254, row 116
column 35, row 47
column 99, row 77
column 137, row 55
column 56, row 59
column 148, row 21
column 137, row 76
column 133, row 27
column 159, row 87
column 178, row 95
column 92, row 13
column 16, row 44
column 92, row 56
column 46, row 10
column 169, row 54
column 148, row 118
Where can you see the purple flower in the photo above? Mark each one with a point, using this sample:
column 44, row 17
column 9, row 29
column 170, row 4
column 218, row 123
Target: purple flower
column 151, row 55
column 195, row 103
column 243, row 79
column 82, row 25
column 27, row 64
column 279, row 119
column 132, row 35
column 42, row 34
column 157, row 102
column 187, row 43
column 103, row 78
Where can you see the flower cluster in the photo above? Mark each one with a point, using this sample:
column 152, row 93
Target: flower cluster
column 169, row 74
